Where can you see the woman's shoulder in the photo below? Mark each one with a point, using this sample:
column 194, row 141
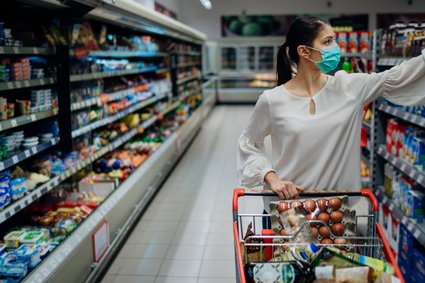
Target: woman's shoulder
column 271, row 93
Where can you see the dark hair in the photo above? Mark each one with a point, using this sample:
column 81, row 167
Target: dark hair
column 302, row 31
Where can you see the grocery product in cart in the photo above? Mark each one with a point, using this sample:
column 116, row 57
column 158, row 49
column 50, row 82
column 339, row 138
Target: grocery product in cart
column 313, row 239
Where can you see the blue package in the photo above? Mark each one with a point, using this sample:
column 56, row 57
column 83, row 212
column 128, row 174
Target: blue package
column 419, row 265
column 12, row 274
column 29, row 253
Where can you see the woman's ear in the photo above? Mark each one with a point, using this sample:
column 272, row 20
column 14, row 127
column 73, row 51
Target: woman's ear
column 303, row 51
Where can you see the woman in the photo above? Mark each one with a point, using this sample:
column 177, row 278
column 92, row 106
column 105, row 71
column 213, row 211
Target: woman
column 314, row 119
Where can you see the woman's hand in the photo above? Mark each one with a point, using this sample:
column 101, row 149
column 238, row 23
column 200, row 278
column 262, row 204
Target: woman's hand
column 284, row 189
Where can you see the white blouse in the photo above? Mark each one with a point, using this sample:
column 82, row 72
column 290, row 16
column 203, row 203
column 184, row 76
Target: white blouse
column 321, row 151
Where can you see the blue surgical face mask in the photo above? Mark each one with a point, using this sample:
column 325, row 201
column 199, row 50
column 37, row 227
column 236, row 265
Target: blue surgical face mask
column 331, row 56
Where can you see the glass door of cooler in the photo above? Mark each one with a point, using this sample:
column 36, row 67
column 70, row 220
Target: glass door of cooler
column 266, row 59
column 228, row 59
column 246, row 59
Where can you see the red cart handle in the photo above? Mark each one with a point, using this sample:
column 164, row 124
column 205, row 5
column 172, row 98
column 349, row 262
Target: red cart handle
column 362, row 192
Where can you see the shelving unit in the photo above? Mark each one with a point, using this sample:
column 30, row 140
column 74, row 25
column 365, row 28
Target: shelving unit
column 26, row 119
column 390, row 62
column 101, row 75
column 406, row 116
column 417, row 230
column 14, row 50
column 26, row 83
column 124, row 205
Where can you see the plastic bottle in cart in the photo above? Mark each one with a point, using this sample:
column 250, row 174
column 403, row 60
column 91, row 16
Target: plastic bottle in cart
column 304, row 254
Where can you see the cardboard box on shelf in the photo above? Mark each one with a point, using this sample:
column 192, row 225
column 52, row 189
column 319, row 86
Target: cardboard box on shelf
column 418, row 265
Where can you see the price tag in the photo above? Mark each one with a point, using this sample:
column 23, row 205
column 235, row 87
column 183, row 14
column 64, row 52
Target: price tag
column 1, row 49
column 15, row 159
column 53, row 141
column 403, row 166
column 10, row 85
column 391, row 207
column 417, row 233
column 410, row 227
column 35, row 50
column 34, row 150
column 42, row 81
column 14, row 122
column 404, row 220
column 18, row 84
column 16, row 50
column 27, row 153
column 420, row 179
column 1, row 166
column 33, row 117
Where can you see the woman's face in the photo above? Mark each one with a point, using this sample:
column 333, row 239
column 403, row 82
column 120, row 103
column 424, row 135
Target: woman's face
column 325, row 38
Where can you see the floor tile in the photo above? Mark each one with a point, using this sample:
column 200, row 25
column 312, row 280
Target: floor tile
column 151, row 238
column 190, row 238
column 156, row 226
column 220, row 239
column 224, row 253
column 219, row 269
column 116, row 266
column 144, row 266
column 193, row 226
column 133, row 279
column 185, row 252
column 188, row 268
column 163, row 279
column 216, row 280
column 108, row 278
column 143, row 251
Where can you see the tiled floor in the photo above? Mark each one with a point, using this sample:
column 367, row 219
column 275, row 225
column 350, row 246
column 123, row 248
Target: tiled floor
column 186, row 233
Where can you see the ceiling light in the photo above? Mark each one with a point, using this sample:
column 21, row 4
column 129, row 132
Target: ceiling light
column 207, row 4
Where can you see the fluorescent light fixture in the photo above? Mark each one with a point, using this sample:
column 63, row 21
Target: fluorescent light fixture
column 207, row 4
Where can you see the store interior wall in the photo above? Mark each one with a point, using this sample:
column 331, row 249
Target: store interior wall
column 192, row 13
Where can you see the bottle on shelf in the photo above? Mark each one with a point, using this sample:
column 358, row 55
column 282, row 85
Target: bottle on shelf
column 346, row 66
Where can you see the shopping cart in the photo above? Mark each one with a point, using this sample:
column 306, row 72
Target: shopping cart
column 374, row 244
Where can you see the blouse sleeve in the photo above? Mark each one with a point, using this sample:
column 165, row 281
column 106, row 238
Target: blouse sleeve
column 253, row 164
column 403, row 84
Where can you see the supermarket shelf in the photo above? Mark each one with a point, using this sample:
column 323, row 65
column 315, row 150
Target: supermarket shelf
column 188, row 65
column 192, row 53
column 116, row 117
column 163, row 70
column 25, row 154
column 134, row 193
column 26, row 119
column 391, row 61
column 409, row 117
column 417, row 230
column 125, row 54
column 101, row 75
column 107, row 96
column 26, row 83
column 367, row 124
column 17, row 206
column 11, row 50
column 415, row 174
column 239, row 76
column 181, row 81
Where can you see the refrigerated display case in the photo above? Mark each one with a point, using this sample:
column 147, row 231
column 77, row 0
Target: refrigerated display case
column 246, row 68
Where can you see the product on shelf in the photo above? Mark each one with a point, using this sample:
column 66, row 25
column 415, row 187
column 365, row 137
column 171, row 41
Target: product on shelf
column 403, row 40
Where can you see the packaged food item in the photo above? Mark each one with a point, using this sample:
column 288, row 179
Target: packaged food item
column 12, row 274
column 44, row 250
column 378, row 266
column 17, row 188
column 13, row 239
column 29, row 253
column 353, row 43
column 278, row 272
column 253, row 253
column 342, row 41
column 329, row 257
column 2, row 249
column 33, row 238
column 364, row 42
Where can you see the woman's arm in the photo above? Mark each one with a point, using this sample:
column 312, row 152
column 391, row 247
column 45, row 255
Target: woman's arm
column 403, row 84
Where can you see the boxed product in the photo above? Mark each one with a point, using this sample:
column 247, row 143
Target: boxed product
column 418, row 266
column 401, row 140
column 353, row 43
column 405, row 250
column 384, row 215
column 342, row 41
column 415, row 204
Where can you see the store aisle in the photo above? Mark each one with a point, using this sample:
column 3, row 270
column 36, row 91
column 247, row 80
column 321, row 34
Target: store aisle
column 186, row 234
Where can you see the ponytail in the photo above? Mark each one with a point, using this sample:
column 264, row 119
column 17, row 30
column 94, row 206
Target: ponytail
column 302, row 31
column 283, row 68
